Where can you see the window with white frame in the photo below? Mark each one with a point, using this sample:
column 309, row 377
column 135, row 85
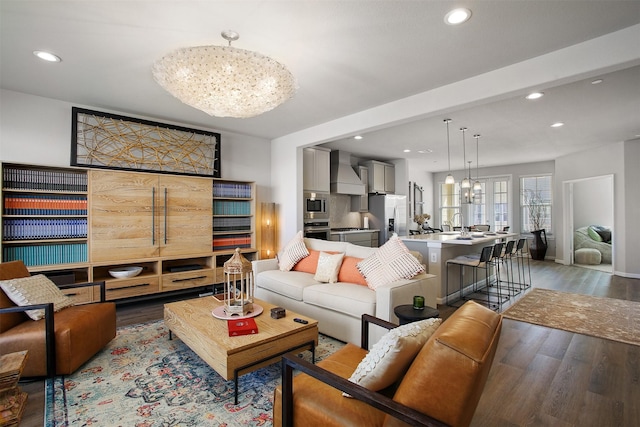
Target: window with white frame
column 535, row 203
column 450, row 204
column 491, row 204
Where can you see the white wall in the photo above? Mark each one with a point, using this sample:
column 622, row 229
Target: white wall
column 620, row 160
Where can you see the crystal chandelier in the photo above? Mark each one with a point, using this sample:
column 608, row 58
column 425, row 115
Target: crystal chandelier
column 224, row 81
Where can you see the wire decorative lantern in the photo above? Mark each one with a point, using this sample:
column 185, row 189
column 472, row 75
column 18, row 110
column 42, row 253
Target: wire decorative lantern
column 238, row 285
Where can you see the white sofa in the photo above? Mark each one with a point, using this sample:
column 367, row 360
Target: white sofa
column 338, row 307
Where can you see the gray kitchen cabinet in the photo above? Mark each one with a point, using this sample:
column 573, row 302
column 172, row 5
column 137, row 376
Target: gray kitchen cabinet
column 382, row 177
column 316, row 166
column 364, row 238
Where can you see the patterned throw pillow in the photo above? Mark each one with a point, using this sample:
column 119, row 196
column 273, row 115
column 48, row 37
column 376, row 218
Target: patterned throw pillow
column 35, row 290
column 392, row 261
column 389, row 358
column 328, row 266
column 292, row 253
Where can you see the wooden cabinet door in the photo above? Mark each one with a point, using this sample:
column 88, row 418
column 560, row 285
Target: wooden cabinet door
column 123, row 218
column 185, row 215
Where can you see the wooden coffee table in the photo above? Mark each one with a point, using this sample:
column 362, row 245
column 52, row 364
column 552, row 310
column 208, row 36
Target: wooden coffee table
column 192, row 321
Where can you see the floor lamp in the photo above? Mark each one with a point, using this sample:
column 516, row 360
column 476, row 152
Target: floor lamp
column 268, row 230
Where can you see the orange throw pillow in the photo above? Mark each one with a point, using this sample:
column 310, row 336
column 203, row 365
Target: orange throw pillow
column 349, row 271
column 309, row 263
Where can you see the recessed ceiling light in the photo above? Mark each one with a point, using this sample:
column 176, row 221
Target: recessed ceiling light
column 597, row 81
column 457, row 16
column 425, row 151
column 557, row 125
column 406, row 150
column 46, row 56
column 357, row 137
column 535, row 95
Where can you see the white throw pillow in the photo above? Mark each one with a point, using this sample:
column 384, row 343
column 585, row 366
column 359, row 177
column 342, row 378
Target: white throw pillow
column 35, row 290
column 293, row 252
column 389, row 358
column 392, row 261
column 328, row 267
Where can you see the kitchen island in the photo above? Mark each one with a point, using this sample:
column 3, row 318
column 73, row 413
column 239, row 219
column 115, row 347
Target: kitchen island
column 358, row 236
column 437, row 248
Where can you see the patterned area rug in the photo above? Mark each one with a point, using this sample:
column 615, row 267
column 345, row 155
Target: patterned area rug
column 143, row 379
column 609, row 318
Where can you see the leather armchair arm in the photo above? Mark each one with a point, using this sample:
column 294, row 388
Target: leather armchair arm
column 103, row 291
column 364, row 333
column 50, row 339
column 377, row 400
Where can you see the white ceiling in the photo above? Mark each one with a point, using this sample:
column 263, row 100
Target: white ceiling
column 348, row 57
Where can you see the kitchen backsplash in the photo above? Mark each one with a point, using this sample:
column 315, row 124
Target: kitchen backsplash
column 340, row 214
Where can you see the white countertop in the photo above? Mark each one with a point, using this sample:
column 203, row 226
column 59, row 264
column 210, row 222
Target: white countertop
column 452, row 238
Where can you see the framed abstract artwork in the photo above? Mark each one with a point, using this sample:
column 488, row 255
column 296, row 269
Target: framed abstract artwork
column 111, row 141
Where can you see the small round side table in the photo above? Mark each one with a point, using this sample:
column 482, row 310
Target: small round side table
column 407, row 314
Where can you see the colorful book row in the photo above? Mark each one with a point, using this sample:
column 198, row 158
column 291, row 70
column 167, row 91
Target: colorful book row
column 231, row 242
column 226, row 207
column 47, row 254
column 40, row 179
column 232, row 224
column 232, row 190
column 41, row 204
column 43, row 228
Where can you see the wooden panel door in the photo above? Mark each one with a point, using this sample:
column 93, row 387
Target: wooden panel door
column 185, row 215
column 123, row 219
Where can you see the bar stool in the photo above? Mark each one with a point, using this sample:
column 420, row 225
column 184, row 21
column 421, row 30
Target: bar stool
column 495, row 293
column 507, row 254
column 481, row 262
column 520, row 258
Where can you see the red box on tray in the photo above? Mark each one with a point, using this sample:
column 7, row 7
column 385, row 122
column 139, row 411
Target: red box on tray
column 246, row 326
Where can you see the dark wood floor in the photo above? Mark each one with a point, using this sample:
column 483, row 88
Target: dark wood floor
column 540, row 376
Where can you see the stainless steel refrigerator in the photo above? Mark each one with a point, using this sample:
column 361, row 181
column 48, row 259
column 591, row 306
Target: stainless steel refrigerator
column 388, row 213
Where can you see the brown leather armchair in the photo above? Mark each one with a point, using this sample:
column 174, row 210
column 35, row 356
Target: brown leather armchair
column 441, row 387
column 62, row 341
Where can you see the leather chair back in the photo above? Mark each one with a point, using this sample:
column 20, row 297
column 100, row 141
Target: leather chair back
column 447, row 377
column 11, row 270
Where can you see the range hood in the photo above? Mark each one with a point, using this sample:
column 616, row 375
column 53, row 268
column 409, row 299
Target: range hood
column 344, row 180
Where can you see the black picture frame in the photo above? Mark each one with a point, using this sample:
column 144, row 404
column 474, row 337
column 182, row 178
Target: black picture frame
column 112, row 141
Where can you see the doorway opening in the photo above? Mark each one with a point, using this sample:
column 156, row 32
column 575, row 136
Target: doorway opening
column 590, row 214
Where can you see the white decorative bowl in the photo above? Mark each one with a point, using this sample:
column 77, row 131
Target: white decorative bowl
column 125, row 272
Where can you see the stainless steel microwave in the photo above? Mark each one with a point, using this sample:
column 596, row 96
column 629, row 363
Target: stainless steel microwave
column 316, row 205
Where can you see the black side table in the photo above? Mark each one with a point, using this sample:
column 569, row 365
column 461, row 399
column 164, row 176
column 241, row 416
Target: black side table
column 407, row 314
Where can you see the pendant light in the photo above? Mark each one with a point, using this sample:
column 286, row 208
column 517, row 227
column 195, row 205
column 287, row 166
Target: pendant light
column 466, row 182
column 477, row 187
column 450, row 179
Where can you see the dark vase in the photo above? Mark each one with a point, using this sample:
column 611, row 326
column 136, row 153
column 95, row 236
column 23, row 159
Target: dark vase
column 538, row 247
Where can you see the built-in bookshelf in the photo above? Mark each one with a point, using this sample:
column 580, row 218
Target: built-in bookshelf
column 233, row 215
column 51, row 217
column 44, row 215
